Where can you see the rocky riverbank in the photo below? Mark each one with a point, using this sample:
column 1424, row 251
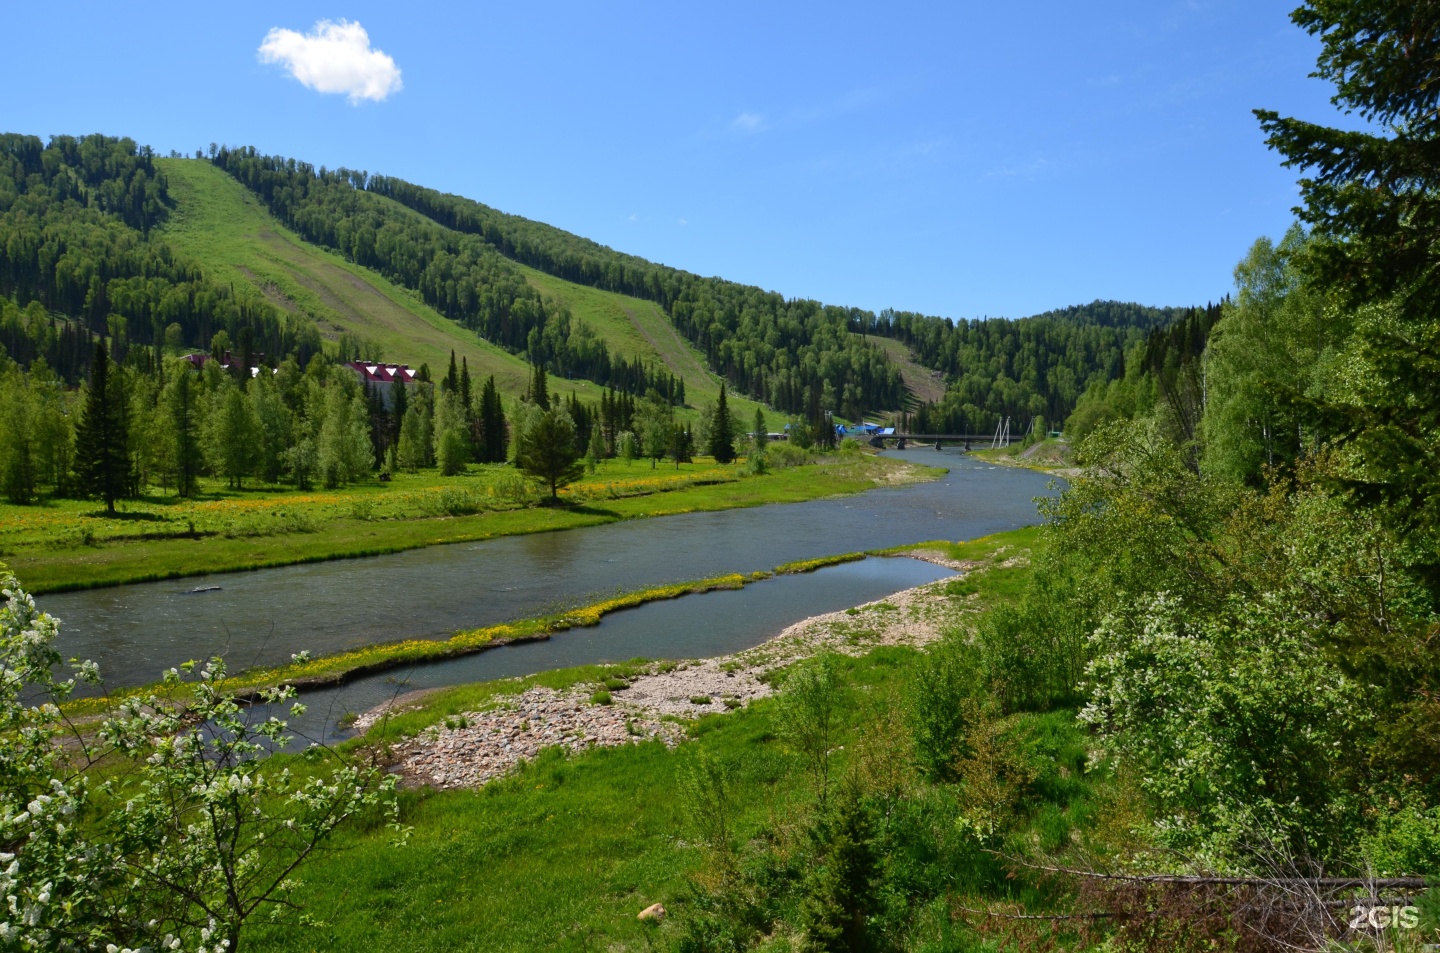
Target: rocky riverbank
column 475, row 747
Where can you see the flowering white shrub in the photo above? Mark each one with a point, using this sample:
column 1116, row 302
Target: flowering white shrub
column 164, row 826
column 1242, row 728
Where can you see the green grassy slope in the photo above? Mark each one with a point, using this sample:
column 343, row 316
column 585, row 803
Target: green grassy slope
column 923, row 383
column 221, row 225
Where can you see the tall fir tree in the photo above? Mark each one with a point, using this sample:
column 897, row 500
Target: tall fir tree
column 102, row 457
column 548, row 452
column 722, row 431
column 539, row 387
column 493, row 440
column 184, row 421
column 451, row 383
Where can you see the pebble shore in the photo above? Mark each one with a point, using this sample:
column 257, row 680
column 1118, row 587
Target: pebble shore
column 470, row 749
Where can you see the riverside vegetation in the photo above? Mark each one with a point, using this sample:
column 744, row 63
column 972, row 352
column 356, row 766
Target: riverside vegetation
column 1198, row 709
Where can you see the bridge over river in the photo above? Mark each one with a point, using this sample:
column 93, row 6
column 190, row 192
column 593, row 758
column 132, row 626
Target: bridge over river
column 901, row 440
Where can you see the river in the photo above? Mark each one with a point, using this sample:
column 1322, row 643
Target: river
column 262, row 617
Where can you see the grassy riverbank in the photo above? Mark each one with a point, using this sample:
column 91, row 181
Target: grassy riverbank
column 309, row 673
column 1051, row 455
column 72, row 544
column 565, row 852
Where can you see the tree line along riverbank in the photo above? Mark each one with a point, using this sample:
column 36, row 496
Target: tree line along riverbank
column 70, row 544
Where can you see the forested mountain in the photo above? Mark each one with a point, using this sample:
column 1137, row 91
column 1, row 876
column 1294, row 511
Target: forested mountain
column 78, row 259
column 1035, row 367
column 998, row 367
column 793, row 354
column 82, row 257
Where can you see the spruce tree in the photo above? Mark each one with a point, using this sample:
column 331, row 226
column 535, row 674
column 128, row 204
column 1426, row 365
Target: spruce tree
column 540, row 388
column 102, row 458
column 492, row 442
column 722, row 431
column 548, row 451
column 185, row 431
column 451, row 383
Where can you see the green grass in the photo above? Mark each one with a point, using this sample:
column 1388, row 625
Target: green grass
column 973, row 550
column 72, row 544
column 810, row 565
column 220, row 224
column 1050, row 455
column 564, row 853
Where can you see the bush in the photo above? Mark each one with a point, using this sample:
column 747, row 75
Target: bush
column 783, row 455
column 601, row 697
column 940, row 700
column 454, row 501
column 1034, row 654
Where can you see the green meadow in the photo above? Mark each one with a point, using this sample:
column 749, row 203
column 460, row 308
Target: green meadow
column 565, row 852
column 72, row 544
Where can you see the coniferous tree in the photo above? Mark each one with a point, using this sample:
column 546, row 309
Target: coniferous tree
column 451, row 383
column 184, row 424
column 493, row 439
column 1372, row 199
column 539, row 387
column 722, row 431
column 102, row 458
column 548, row 451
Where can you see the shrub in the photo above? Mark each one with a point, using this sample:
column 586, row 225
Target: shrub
column 1034, row 654
column 783, row 455
column 941, row 694
column 601, row 697
column 453, row 501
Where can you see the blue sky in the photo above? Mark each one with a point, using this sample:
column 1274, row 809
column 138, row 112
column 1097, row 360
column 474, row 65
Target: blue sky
column 960, row 158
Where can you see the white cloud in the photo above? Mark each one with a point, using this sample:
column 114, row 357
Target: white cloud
column 335, row 57
column 748, row 122
column 683, row 222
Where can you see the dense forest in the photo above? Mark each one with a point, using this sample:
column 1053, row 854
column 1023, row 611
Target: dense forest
column 775, row 350
column 81, row 260
column 78, row 260
column 778, row 350
column 1031, row 370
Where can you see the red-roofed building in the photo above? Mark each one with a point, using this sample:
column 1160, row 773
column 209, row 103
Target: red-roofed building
column 383, row 377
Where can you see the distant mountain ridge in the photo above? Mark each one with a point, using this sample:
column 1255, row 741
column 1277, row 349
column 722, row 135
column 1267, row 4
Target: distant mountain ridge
column 513, row 285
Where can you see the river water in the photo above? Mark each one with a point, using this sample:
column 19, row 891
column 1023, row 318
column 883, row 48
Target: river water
column 262, row 617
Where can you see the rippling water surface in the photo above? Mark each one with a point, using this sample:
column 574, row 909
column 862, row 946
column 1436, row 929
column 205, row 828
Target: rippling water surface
column 263, row 617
